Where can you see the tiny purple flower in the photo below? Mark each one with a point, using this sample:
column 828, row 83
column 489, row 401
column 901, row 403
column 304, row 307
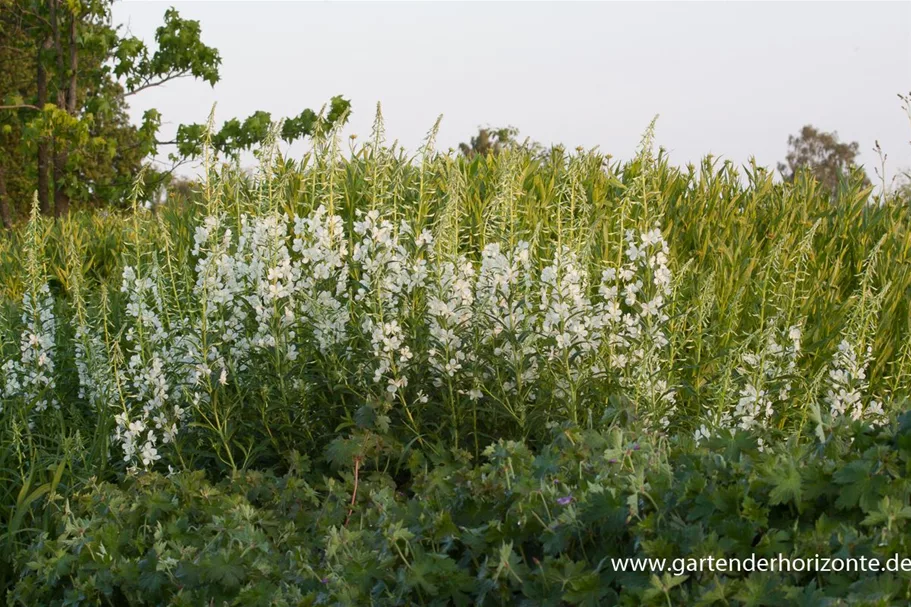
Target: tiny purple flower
column 325, row 580
column 611, row 461
column 636, row 447
column 565, row 501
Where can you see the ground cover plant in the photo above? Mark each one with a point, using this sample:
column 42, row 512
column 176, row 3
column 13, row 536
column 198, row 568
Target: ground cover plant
column 375, row 377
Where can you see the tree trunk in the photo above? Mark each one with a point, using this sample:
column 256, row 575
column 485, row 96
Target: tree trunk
column 4, row 202
column 74, row 66
column 43, row 146
column 61, row 200
column 58, row 53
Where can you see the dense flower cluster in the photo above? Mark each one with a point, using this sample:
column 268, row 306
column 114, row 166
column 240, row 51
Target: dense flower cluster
column 765, row 377
column 387, row 280
column 635, row 296
column 220, row 320
column 323, row 282
column 848, row 385
column 92, row 367
column 152, row 414
column 31, row 375
column 272, row 292
column 449, row 316
column 281, row 304
column 505, row 322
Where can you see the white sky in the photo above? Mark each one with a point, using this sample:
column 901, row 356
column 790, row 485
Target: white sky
column 733, row 79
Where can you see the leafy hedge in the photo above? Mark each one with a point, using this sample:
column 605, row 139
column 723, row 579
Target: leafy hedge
column 517, row 528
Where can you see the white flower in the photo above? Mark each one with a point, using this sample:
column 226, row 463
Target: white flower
column 847, row 385
column 652, row 237
column 149, row 454
column 32, row 376
column 633, row 253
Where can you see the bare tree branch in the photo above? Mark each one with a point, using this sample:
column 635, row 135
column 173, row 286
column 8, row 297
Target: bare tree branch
column 20, row 106
column 151, row 84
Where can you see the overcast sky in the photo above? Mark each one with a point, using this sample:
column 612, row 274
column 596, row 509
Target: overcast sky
column 732, row 79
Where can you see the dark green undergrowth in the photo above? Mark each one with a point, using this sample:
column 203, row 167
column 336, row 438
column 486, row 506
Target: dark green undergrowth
column 517, row 527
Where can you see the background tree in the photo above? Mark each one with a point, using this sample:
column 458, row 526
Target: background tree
column 490, row 141
column 821, row 153
column 67, row 73
column 494, row 140
column 16, row 67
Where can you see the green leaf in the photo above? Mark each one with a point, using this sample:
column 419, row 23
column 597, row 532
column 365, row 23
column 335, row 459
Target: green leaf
column 858, row 486
column 786, row 482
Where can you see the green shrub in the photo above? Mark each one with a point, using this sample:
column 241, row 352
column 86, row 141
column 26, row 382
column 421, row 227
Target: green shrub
column 447, row 301
column 520, row 528
column 409, row 315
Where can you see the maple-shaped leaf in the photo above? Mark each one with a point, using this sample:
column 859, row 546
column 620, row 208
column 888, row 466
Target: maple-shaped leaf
column 784, row 477
column 219, row 570
column 859, row 486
